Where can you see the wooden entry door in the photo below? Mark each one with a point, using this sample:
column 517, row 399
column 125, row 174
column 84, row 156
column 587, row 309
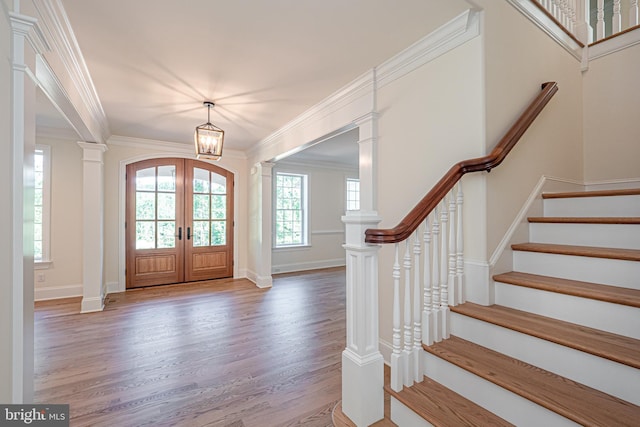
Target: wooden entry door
column 179, row 225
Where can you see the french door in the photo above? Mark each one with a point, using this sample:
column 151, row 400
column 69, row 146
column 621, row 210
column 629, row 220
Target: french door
column 179, row 225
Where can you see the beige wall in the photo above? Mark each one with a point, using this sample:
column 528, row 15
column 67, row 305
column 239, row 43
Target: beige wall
column 326, row 191
column 518, row 58
column 612, row 117
column 66, row 218
column 429, row 120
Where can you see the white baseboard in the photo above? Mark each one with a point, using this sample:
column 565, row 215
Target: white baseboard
column 90, row 305
column 310, row 265
column 57, row 292
column 260, row 281
column 386, row 349
column 114, row 288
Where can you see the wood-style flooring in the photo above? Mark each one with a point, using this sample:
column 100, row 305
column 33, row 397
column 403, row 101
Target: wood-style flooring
column 215, row 353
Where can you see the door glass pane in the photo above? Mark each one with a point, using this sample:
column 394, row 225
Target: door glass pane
column 146, row 179
column 167, row 178
column 201, row 206
column 218, row 207
column 166, row 234
column 145, row 234
column 218, row 233
column 200, row 180
column 166, row 206
column 200, row 233
column 218, row 184
column 145, row 205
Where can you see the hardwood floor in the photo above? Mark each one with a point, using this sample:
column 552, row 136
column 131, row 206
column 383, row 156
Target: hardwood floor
column 215, row 353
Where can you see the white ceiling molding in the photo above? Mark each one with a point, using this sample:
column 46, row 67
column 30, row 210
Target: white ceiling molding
column 29, row 28
column 546, row 24
column 61, row 39
column 358, row 98
column 454, row 33
column 153, row 146
column 361, row 87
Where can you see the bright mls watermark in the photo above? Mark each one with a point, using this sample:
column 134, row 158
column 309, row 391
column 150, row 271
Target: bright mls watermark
column 34, row 415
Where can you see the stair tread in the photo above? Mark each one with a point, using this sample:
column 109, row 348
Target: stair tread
column 443, row 407
column 586, row 251
column 595, row 193
column 584, row 220
column 575, row 401
column 607, row 293
column 599, row 343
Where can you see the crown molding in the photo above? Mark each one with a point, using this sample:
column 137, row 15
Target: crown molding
column 454, row 33
column 165, row 146
column 29, row 28
column 60, row 37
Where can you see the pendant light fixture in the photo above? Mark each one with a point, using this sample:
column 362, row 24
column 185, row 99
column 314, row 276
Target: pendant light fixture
column 209, row 138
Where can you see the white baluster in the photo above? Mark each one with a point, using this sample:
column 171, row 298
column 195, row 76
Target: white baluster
column 396, row 357
column 616, row 21
column 563, row 13
column 633, row 13
column 600, row 26
column 460, row 246
column 572, row 16
column 408, row 334
column 444, row 273
column 417, row 310
column 555, row 9
column 427, row 313
column 435, row 278
column 453, row 279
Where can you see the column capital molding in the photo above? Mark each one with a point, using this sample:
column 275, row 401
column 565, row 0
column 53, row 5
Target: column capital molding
column 93, row 146
column 28, row 27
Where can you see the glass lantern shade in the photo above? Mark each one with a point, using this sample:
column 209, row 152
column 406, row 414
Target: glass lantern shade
column 209, row 140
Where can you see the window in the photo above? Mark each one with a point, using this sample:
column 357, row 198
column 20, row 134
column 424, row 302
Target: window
column 353, row 194
column 291, row 210
column 42, row 172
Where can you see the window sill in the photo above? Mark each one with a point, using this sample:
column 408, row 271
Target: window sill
column 290, row 248
column 42, row 265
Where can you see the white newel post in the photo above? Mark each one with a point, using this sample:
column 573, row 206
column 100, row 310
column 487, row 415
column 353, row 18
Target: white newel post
column 362, row 362
column 92, row 226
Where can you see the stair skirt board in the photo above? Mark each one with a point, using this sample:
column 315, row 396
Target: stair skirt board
column 613, row 272
column 626, row 236
column 605, row 316
column 403, row 416
column 614, row 378
column 505, row 404
column 593, row 206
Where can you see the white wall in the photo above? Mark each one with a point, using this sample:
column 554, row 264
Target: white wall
column 612, row 116
column 326, row 192
column 63, row 278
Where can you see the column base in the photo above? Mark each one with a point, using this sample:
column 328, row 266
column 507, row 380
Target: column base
column 362, row 388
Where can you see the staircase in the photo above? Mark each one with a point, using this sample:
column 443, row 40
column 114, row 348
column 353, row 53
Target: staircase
column 561, row 345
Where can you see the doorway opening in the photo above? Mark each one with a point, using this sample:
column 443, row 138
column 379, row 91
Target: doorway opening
column 179, row 222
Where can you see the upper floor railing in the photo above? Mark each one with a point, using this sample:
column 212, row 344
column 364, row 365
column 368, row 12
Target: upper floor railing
column 603, row 18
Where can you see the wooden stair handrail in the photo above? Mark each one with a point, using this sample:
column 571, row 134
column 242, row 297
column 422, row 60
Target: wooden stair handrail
column 418, row 214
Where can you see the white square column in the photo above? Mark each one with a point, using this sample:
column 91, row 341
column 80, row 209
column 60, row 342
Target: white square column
column 92, row 226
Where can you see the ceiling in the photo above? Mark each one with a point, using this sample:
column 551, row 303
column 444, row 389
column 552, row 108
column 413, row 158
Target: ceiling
column 263, row 63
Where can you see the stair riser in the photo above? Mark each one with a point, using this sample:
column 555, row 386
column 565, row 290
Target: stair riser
column 507, row 405
column 593, row 206
column 625, row 236
column 597, row 270
column 620, row 380
column 403, row 416
column 605, row 316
